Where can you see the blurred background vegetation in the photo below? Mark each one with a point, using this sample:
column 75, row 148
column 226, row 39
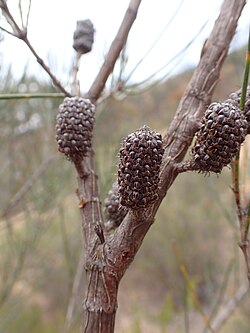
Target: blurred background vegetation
column 40, row 231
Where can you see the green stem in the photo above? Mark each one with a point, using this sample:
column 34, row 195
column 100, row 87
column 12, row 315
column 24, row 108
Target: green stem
column 30, row 95
column 242, row 104
column 236, row 175
column 245, row 76
column 247, row 222
column 190, row 287
column 236, row 185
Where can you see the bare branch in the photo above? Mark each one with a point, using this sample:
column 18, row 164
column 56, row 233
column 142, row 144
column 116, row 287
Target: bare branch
column 7, row 289
column 8, row 32
column 27, row 186
column 21, row 12
column 75, row 90
column 191, row 289
column 28, row 15
column 114, row 51
column 243, row 218
column 229, row 307
column 18, row 32
column 175, row 60
column 56, row 82
column 156, row 41
column 75, row 292
column 22, row 34
column 31, row 95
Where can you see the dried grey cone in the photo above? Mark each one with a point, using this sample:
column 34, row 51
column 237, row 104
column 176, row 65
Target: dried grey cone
column 235, row 97
column 138, row 173
column 74, row 127
column 83, row 36
column 218, row 140
column 114, row 211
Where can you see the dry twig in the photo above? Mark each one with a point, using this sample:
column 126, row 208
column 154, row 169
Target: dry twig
column 229, row 307
column 21, row 33
column 114, row 51
column 27, row 186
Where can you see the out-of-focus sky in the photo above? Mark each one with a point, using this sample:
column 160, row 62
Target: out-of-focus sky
column 52, row 23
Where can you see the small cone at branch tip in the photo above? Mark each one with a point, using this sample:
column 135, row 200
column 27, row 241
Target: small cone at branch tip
column 234, row 99
column 74, row 127
column 138, row 172
column 219, row 137
column 114, row 211
column 83, row 37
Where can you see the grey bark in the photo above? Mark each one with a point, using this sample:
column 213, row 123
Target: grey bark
column 108, row 256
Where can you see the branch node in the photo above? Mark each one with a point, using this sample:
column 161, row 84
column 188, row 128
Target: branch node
column 22, row 34
column 243, row 244
column 99, row 231
column 82, row 202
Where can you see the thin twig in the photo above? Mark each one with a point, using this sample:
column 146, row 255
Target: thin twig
column 56, row 82
column 8, row 32
column 75, row 90
column 245, row 76
column 31, row 95
column 244, row 219
column 27, row 186
column 219, row 298
column 22, row 34
column 155, row 42
column 21, row 12
column 189, row 285
column 5, row 10
column 75, row 292
column 28, row 15
column 114, row 51
column 229, row 307
column 66, row 247
column 242, row 103
column 174, row 60
column 7, row 289
column 236, row 186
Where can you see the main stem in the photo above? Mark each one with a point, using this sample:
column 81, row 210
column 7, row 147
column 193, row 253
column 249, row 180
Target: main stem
column 102, row 282
column 101, row 299
column 108, row 257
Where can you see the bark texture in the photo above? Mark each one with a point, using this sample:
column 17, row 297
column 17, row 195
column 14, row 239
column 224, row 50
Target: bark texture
column 108, row 256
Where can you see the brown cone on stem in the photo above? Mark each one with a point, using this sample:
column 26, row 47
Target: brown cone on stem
column 138, row 173
column 74, row 127
column 219, row 137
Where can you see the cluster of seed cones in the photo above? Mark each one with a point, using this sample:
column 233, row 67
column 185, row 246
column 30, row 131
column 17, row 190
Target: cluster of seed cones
column 218, row 140
column 138, row 175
